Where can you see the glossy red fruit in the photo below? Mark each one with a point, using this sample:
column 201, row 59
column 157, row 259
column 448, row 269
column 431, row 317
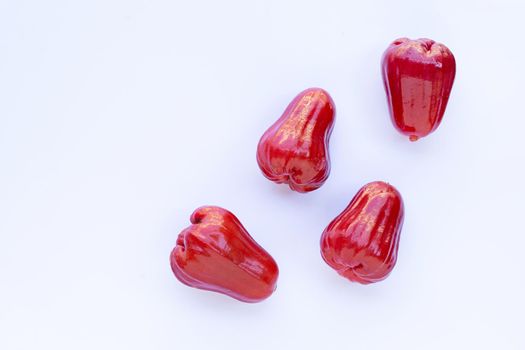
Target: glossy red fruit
column 216, row 253
column 294, row 150
column 418, row 76
column 361, row 243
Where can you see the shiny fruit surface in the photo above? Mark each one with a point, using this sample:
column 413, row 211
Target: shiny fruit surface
column 216, row 253
column 418, row 76
column 294, row 150
column 361, row 243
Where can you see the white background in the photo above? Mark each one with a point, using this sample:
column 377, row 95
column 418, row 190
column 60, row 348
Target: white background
column 119, row 118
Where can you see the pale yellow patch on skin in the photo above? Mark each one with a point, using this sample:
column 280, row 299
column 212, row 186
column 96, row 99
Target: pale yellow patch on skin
column 435, row 50
column 369, row 217
column 293, row 126
column 212, row 218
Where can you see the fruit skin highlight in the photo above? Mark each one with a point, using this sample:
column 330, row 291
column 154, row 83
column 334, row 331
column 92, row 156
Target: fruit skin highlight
column 294, row 150
column 216, row 253
column 418, row 76
column 361, row 243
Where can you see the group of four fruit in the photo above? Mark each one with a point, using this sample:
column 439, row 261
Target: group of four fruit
column 216, row 252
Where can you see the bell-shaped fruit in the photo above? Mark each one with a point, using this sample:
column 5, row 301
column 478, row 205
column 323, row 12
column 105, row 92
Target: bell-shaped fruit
column 294, row 150
column 418, row 76
column 216, row 253
column 361, row 243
